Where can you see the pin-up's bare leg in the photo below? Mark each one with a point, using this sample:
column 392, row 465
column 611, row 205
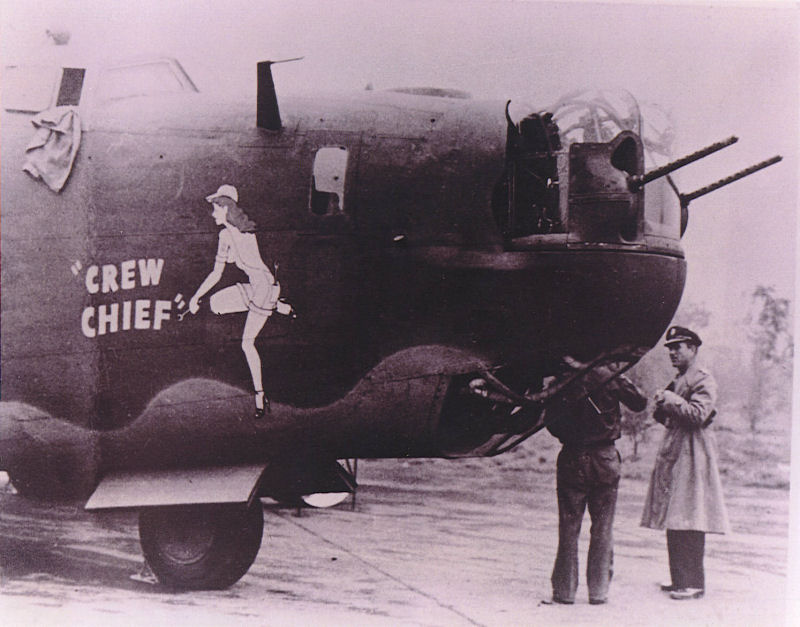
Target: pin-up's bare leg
column 252, row 327
column 228, row 300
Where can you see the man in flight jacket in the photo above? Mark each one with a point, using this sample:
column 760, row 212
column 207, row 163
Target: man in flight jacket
column 587, row 473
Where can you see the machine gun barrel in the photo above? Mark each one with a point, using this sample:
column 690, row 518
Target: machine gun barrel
column 638, row 181
column 687, row 198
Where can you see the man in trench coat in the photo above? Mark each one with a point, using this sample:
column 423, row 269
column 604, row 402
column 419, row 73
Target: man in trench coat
column 685, row 493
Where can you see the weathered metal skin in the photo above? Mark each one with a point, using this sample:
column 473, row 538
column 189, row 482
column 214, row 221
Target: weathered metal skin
column 392, row 412
column 411, row 285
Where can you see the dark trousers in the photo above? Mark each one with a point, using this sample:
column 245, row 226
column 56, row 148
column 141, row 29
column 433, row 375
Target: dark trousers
column 686, row 549
column 585, row 477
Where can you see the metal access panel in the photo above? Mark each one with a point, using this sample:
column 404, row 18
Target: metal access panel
column 152, row 488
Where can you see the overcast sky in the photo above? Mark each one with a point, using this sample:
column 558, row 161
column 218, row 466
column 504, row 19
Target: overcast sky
column 720, row 70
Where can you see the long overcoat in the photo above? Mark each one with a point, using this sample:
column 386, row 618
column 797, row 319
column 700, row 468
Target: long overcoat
column 685, row 490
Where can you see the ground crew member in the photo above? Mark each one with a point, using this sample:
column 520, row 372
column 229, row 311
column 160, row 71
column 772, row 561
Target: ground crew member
column 587, row 473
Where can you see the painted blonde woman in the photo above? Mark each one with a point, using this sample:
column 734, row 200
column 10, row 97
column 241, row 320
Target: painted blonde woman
column 258, row 297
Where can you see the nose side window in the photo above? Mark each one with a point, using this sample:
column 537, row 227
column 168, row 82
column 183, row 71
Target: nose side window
column 328, row 181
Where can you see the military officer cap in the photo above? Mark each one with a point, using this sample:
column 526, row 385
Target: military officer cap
column 676, row 335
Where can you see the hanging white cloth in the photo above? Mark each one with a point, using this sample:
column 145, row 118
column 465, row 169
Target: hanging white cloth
column 51, row 152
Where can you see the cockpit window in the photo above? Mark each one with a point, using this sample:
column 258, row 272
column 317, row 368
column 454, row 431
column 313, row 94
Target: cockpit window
column 141, row 79
column 34, row 88
column 327, row 181
column 29, row 89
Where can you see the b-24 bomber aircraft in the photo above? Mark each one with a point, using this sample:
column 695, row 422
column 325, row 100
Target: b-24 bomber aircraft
column 439, row 259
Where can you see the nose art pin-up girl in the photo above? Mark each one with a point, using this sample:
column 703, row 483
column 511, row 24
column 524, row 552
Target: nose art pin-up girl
column 258, row 297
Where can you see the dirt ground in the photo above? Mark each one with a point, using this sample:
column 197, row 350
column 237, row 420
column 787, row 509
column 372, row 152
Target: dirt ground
column 433, row 543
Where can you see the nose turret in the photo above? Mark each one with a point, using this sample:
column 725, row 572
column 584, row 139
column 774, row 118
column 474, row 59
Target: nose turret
column 568, row 172
column 575, row 178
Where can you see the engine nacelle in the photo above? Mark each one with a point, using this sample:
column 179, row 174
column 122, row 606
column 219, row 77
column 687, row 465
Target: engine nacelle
column 47, row 457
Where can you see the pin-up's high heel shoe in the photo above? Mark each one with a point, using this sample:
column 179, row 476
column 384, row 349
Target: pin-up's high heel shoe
column 262, row 405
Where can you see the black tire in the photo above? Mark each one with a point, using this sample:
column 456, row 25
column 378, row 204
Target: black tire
column 201, row 547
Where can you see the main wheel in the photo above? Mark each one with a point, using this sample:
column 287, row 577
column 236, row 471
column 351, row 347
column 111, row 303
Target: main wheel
column 201, row 546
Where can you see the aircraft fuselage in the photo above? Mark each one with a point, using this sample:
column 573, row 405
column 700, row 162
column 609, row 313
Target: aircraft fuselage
column 385, row 217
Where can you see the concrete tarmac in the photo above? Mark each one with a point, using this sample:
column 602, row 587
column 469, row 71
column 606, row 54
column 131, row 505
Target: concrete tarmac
column 432, row 543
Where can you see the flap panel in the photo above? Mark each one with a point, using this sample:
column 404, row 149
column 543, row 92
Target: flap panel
column 186, row 486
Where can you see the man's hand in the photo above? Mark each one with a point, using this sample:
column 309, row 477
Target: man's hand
column 573, row 363
column 668, row 397
column 479, row 387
